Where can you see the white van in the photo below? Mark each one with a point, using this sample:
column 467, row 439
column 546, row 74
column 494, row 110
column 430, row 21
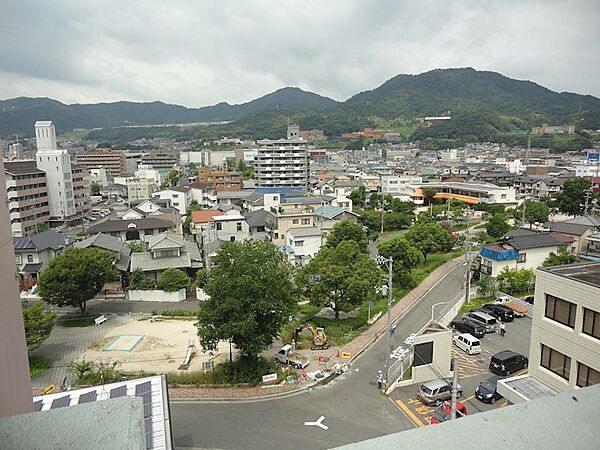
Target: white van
column 468, row 343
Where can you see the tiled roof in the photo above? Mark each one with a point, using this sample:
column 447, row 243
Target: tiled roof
column 205, row 215
column 148, row 223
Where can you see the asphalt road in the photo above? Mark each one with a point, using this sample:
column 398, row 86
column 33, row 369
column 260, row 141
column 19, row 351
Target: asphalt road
column 353, row 408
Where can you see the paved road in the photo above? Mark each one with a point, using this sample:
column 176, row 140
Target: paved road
column 353, row 408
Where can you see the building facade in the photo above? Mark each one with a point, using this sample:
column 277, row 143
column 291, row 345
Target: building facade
column 220, row 180
column 81, row 190
column 281, row 163
column 112, row 160
column 27, row 192
column 160, row 160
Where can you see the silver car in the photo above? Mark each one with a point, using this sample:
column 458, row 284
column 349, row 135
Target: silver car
column 437, row 391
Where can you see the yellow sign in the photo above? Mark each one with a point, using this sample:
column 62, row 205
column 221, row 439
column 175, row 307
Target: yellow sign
column 49, row 389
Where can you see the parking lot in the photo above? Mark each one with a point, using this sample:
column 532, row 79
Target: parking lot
column 472, row 369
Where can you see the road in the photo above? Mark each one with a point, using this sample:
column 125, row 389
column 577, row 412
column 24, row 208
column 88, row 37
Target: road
column 353, row 408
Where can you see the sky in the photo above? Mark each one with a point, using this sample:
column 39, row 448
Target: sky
column 200, row 52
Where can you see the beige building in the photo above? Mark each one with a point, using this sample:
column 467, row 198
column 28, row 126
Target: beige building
column 15, row 383
column 281, row 163
column 81, row 190
column 112, row 160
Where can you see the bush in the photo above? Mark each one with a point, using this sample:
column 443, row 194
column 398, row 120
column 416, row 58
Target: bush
column 93, row 373
column 172, row 280
column 175, row 313
column 38, row 365
column 76, row 320
column 139, row 282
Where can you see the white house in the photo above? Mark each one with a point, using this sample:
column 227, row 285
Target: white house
column 179, row 196
column 302, row 244
column 231, row 226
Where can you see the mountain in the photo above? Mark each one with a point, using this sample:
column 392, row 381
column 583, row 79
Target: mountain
column 18, row 115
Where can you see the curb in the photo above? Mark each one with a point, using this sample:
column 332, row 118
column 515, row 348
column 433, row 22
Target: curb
column 243, row 399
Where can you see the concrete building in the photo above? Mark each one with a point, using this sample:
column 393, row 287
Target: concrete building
column 81, row 191
column 180, row 197
column 112, row 160
column 27, row 192
column 15, row 151
column 99, row 176
column 160, row 159
column 397, row 185
column 231, row 226
column 295, row 213
column 472, row 193
column 302, row 244
column 15, row 380
column 281, row 163
column 150, row 174
column 139, row 188
column 220, row 180
column 57, row 166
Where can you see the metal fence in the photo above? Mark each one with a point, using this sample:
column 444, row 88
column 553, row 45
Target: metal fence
column 400, row 365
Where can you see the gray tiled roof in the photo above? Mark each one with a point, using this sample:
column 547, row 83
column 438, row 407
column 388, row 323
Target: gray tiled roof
column 534, row 241
column 41, row 241
column 259, row 218
column 148, row 223
column 106, row 242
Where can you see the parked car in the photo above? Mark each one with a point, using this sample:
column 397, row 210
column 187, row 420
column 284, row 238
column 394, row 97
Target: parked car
column 437, row 391
column 287, row 356
column 467, row 343
column 481, row 319
column 529, row 299
column 444, row 412
column 468, row 327
column 518, row 309
column 487, row 391
column 506, row 362
column 500, row 312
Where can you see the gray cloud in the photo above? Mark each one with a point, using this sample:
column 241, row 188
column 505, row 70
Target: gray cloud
column 202, row 52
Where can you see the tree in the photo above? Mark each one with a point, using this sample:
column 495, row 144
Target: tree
column 187, row 223
column 572, row 198
column 41, row 226
column 397, row 205
column 339, row 278
column 136, row 247
column 486, row 286
column 393, row 220
column 95, row 188
column 374, row 200
column 172, row 280
column 516, row 280
column 536, row 212
column 139, row 282
column 429, row 238
column 247, row 170
column 429, row 193
column 171, row 179
column 405, row 255
column 251, row 297
column 563, row 256
column 38, row 325
column 345, row 230
column 76, row 276
column 358, row 197
column 497, row 226
column 201, row 278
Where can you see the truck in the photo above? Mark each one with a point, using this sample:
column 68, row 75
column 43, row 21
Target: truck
column 287, row 356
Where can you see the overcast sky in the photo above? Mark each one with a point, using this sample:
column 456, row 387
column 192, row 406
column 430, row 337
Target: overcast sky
column 197, row 53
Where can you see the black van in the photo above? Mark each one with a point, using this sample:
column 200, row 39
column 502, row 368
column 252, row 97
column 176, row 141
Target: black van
column 507, row 362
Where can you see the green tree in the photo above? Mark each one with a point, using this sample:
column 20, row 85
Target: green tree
column 95, row 188
column 405, row 255
column 201, row 278
column 486, row 286
column 345, row 230
column 187, row 223
column 429, row 193
column 247, row 170
column 76, row 276
column 355, row 145
column 374, row 200
column 38, row 325
column 429, row 238
column 172, row 280
column 393, row 220
column 136, row 247
column 251, row 297
column 535, row 212
column 572, row 197
column 41, row 226
column 139, row 281
column 339, row 278
column 497, row 226
column 516, row 280
column 397, row 205
column 358, row 197
column 563, row 256
column 171, row 179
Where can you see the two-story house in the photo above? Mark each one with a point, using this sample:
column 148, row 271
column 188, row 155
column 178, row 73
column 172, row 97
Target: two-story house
column 134, row 229
column 180, row 197
column 117, row 247
column 302, row 245
column 33, row 253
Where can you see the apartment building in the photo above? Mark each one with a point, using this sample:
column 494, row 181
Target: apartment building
column 160, row 159
column 27, row 191
column 112, row 160
column 397, row 185
column 81, row 190
column 220, row 180
column 281, row 163
column 564, row 351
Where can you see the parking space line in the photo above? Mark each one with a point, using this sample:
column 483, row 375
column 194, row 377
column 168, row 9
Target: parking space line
column 409, row 413
column 467, row 399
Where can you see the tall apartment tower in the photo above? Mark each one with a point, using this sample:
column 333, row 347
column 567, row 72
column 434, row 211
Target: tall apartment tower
column 57, row 165
column 293, row 131
column 15, row 151
column 282, row 163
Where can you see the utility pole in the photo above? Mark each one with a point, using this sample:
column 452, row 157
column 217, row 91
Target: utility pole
column 389, row 321
column 381, row 199
column 467, row 273
column 454, row 388
column 587, row 203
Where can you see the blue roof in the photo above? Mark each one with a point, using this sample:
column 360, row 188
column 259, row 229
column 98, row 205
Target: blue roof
column 328, row 211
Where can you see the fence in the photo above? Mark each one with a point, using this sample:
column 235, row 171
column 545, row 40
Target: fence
column 401, row 365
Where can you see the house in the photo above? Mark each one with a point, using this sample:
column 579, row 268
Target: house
column 260, row 223
column 33, row 253
column 579, row 228
column 327, row 216
column 302, row 244
column 132, row 230
column 180, row 197
column 524, row 249
column 114, row 191
column 202, row 219
column 231, row 226
column 164, row 251
column 154, row 208
column 111, row 244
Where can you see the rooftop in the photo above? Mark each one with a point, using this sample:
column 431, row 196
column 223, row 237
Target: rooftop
column 205, row 215
column 588, row 273
column 26, row 166
column 304, row 231
column 114, row 225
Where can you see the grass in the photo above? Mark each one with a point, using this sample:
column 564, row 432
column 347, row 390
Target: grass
column 38, row 365
column 407, row 375
column 71, row 320
column 476, row 303
column 342, row 331
column 175, row 313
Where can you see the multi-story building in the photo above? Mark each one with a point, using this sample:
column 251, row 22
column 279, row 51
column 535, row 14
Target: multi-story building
column 220, row 180
column 564, row 350
column 180, row 197
column 396, row 185
column 15, row 151
column 27, row 191
column 281, row 163
column 81, row 190
column 139, row 188
column 160, row 159
column 57, row 165
column 112, row 160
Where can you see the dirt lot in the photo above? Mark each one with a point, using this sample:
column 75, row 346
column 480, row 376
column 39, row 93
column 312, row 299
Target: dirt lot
column 161, row 350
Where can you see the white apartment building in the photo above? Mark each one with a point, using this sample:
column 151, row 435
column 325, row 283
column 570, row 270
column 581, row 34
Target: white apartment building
column 57, row 166
column 588, row 170
column 99, row 176
column 139, row 189
column 179, row 196
column 281, row 163
column 398, row 185
column 146, row 172
column 564, row 351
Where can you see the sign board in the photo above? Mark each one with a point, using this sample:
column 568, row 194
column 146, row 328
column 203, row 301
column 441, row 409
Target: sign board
column 269, row 377
column 593, row 157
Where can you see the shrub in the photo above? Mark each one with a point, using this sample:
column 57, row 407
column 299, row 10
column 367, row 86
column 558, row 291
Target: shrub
column 172, row 280
column 38, row 365
column 138, row 281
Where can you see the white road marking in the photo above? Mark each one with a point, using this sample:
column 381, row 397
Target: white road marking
column 318, row 423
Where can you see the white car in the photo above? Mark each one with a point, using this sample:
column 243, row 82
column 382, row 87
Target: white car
column 468, row 343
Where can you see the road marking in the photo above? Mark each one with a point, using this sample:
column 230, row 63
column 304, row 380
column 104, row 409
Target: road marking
column 318, row 423
column 467, row 399
column 409, row 413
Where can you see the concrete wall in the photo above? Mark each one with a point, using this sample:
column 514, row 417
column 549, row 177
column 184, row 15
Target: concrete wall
column 442, row 355
column 571, row 342
column 156, row 296
column 15, row 383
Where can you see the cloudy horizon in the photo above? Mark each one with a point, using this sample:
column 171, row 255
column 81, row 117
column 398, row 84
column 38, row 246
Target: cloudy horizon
column 201, row 53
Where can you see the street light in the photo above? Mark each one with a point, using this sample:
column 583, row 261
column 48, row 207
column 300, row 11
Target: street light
column 382, row 260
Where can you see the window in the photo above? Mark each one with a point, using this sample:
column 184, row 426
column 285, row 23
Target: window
column 560, row 310
column 219, row 226
column 295, row 221
column 232, row 238
column 299, row 243
column 18, row 259
column 555, row 362
column 305, row 221
column 29, row 258
column 423, row 354
column 586, row 376
column 239, row 226
column 591, row 323
column 522, row 257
